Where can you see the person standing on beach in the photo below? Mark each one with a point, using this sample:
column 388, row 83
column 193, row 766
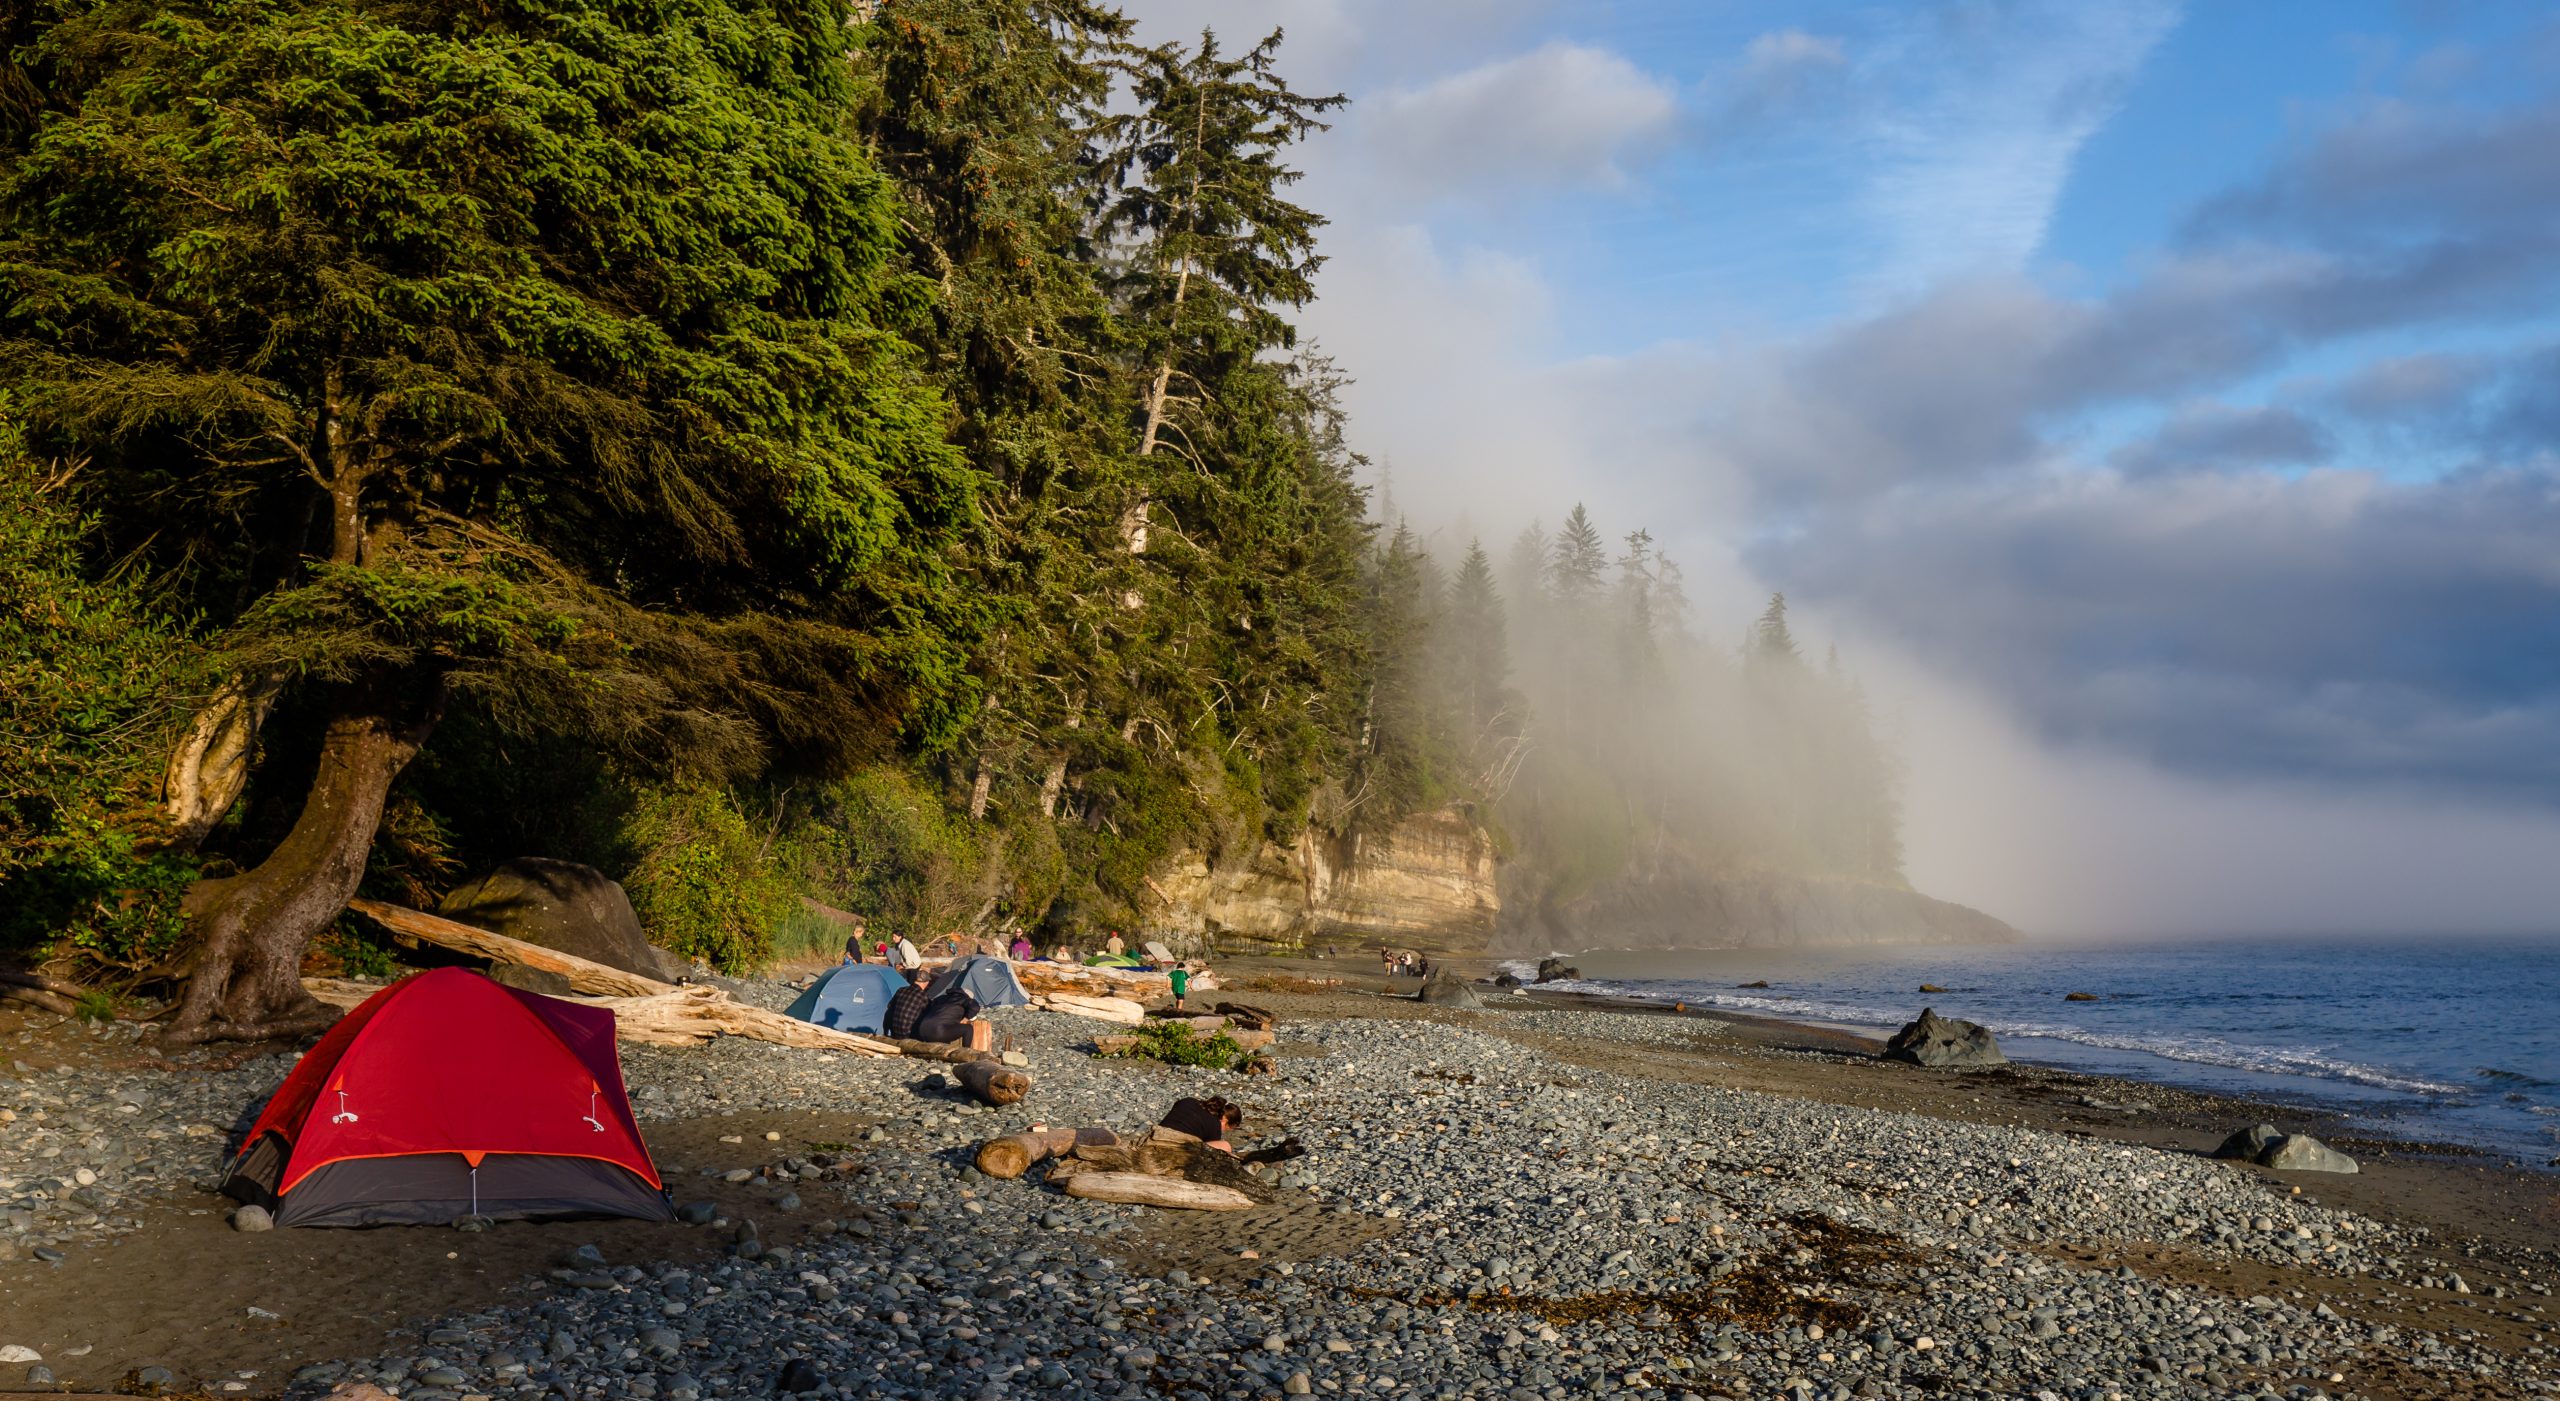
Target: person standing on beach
column 904, row 956
column 1113, row 946
column 1181, row 986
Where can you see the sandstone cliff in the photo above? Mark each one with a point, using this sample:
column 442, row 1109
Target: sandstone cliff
column 1431, row 882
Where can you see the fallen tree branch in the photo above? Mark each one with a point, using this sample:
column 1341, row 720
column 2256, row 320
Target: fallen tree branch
column 16, row 977
column 36, row 997
column 584, row 975
column 679, row 1016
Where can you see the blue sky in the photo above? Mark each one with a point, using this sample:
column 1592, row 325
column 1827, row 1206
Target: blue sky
column 2166, row 395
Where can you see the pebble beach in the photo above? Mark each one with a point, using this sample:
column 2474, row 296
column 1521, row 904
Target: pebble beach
column 1531, row 1201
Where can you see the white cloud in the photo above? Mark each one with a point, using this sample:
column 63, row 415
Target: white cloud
column 1988, row 109
column 1563, row 114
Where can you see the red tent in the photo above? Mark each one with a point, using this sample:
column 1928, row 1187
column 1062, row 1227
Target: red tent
column 447, row 1094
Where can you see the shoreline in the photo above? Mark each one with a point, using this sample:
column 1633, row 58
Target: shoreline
column 1561, row 1194
column 2452, row 1188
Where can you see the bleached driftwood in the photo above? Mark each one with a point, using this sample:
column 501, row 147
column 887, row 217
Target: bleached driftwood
column 683, row 1015
column 584, row 975
column 1040, row 976
column 1140, row 1189
column 678, row 1016
column 1109, row 1009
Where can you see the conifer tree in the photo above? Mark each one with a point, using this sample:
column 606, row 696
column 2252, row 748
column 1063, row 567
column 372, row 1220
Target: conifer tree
column 1577, row 562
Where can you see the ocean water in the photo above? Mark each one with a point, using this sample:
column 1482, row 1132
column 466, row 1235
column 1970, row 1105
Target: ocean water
column 2445, row 1040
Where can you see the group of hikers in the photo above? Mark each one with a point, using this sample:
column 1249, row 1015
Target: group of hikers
column 1404, row 963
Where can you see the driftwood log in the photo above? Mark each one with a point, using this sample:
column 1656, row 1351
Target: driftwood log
column 1039, row 976
column 1246, row 1015
column 951, row 1051
column 584, row 975
column 1139, row 1189
column 1109, row 1009
column 993, row 1082
column 1012, row 1155
column 679, row 1016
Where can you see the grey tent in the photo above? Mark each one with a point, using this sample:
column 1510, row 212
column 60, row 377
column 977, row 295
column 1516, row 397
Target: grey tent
column 990, row 980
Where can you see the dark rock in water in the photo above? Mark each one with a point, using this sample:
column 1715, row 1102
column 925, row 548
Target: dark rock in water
column 1553, row 970
column 1931, row 987
column 1443, row 989
column 1505, row 981
column 1755, row 983
column 565, row 906
column 1943, row 1043
column 798, row 1375
column 541, row 980
column 2079, row 997
column 2248, row 1143
column 2300, row 1152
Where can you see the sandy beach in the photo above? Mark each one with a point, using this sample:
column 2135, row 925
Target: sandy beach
column 1545, row 1197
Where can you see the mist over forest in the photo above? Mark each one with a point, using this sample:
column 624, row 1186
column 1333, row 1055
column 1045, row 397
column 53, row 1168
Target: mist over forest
column 1567, row 691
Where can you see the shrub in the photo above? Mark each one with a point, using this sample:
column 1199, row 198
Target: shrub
column 93, row 678
column 1175, row 1043
column 883, row 844
column 705, row 884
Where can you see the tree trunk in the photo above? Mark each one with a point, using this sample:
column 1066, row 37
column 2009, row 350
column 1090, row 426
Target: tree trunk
column 978, row 792
column 252, row 928
column 209, row 768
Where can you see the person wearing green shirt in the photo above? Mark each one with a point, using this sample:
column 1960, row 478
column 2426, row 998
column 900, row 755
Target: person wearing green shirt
column 1181, row 985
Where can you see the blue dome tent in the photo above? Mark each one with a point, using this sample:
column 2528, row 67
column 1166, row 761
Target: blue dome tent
column 990, row 980
column 850, row 997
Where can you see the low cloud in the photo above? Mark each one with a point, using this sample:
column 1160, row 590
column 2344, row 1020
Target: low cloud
column 2335, row 626
column 2210, row 437
column 1564, row 114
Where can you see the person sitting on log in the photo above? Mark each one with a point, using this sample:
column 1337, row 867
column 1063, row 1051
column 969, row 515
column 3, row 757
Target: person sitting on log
column 947, row 1017
column 906, row 1007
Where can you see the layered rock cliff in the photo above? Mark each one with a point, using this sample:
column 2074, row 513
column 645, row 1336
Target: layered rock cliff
column 1432, row 881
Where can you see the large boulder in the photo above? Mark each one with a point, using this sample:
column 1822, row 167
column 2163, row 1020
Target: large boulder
column 2246, row 1144
column 2264, row 1145
column 1554, row 970
column 564, row 906
column 1943, row 1043
column 2300, row 1152
column 1445, row 989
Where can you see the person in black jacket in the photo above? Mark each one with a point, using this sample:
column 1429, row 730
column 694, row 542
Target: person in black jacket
column 906, row 1008
column 947, row 1018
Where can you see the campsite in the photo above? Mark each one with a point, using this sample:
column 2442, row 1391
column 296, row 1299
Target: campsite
column 832, row 1229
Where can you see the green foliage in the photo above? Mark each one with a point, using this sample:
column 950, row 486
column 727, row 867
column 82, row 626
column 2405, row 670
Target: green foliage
column 1175, row 1043
column 358, row 952
column 802, row 932
column 883, row 844
column 92, row 680
column 705, row 884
